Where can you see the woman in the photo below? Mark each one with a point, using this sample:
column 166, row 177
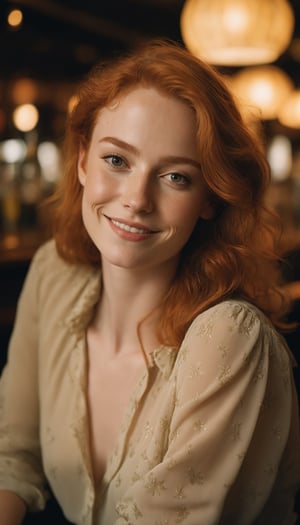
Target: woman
column 146, row 381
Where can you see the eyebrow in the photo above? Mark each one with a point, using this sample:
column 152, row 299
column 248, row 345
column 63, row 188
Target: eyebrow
column 168, row 159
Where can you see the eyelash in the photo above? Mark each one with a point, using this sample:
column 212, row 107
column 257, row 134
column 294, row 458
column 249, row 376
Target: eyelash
column 109, row 160
column 184, row 179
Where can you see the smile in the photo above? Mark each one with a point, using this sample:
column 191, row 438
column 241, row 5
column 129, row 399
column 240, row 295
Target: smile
column 128, row 228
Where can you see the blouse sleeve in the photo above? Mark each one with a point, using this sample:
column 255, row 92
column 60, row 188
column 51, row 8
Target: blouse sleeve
column 230, row 424
column 20, row 457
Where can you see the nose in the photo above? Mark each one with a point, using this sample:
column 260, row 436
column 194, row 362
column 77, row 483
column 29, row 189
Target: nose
column 138, row 193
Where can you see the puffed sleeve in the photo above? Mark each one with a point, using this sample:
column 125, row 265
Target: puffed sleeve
column 20, row 456
column 229, row 427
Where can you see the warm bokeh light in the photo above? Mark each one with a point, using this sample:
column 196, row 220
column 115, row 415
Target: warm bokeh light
column 279, row 155
column 239, row 32
column 72, row 103
column 12, row 150
column 15, row 18
column 262, row 87
column 24, row 90
column 289, row 114
column 235, row 19
column 49, row 158
column 25, row 117
column 11, row 241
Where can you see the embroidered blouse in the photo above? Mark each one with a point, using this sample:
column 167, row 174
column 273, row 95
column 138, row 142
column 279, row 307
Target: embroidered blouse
column 210, row 436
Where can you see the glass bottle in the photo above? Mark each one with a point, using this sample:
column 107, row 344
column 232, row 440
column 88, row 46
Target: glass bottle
column 9, row 197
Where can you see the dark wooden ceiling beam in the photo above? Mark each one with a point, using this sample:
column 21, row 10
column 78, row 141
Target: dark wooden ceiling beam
column 83, row 20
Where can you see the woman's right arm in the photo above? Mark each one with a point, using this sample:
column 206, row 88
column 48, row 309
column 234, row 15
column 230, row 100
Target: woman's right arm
column 12, row 508
column 21, row 470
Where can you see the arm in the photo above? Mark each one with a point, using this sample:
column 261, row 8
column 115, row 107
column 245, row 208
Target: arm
column 226, row 438
column 12, row 508
column 21, row 470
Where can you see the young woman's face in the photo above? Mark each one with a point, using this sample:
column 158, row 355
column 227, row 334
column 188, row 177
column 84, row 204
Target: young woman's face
column 142, row 187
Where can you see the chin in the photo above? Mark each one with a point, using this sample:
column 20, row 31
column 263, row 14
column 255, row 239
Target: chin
column 122, row 260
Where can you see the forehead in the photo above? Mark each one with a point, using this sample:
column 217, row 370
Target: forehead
column 148, row 106
column 149, row 119
column 147, row 95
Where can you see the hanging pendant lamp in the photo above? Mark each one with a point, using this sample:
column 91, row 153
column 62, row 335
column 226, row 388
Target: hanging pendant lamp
column 261, row 89
column 237, row 32
column 289, row 114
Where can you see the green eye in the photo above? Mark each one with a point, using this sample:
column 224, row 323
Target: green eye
column 177, row 178
column 115, row 161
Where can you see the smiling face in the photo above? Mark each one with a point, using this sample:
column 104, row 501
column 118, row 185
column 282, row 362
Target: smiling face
column 142, row 187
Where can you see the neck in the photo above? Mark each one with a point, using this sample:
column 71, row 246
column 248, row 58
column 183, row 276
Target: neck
column 129, row 297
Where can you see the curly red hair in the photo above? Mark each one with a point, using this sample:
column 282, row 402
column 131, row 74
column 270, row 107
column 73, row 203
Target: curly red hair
column 231, row 255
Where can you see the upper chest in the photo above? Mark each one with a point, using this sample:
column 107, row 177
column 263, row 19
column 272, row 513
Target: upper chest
column 111, row 381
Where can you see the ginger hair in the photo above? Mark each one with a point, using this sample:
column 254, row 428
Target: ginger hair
column 231, row 255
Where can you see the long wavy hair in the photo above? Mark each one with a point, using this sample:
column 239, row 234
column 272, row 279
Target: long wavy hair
column 232, row 255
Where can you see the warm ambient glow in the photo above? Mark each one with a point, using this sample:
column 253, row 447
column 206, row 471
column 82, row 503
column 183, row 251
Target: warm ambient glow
column 73, row 101
column 280, row 157
column 12, row 150
column 24, row 90
column 15, row 18
column 289, row 114
column 237, row 32
column 263, row 88
column 49, row 158
column 25, row 117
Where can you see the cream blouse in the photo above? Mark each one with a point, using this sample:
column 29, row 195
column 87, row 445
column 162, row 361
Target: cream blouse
column 210, row 435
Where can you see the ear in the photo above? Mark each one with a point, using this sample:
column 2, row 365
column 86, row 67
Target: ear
column 81, row 168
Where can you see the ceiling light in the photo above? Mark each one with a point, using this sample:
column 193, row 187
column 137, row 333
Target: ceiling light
column 263, row 88
column 289, row 114
column 237, row 32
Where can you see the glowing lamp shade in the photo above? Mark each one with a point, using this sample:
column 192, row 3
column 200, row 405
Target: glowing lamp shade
column 289, row 114
column 237, row 32
column 261, row 88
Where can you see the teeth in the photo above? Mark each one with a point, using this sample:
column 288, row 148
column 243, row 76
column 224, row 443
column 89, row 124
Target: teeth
column 128, row 228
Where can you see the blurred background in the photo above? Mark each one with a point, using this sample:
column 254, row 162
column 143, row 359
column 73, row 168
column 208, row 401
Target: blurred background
column 48, row 46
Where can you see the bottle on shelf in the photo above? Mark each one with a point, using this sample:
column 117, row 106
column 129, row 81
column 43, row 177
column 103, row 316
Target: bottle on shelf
column 10, row 197
column 30, row 186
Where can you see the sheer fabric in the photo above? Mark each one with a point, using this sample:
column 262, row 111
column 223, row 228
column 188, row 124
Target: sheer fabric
column 210, row 436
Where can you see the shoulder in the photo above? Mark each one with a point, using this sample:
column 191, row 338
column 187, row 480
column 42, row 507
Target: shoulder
column 47, row 259
column 232, row 317
column 56, row 291
column 47, row 256
column 233, row 330
column 51, row 275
